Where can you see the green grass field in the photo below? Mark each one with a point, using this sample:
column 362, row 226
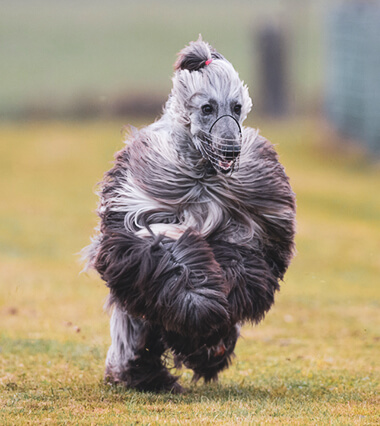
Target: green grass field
column 315, row 358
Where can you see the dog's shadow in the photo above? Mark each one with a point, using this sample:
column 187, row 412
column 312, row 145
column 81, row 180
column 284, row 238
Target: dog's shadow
column 244, row 391
column 214, row 392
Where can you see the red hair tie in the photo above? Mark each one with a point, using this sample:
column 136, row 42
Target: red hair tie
column 208, row 62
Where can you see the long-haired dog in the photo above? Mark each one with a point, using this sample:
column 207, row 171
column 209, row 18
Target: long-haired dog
column 197, row 224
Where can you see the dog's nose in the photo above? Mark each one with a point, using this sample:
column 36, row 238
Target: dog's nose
column 231, row 152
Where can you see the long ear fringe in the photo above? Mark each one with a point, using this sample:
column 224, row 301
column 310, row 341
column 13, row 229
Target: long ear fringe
column 194, row 56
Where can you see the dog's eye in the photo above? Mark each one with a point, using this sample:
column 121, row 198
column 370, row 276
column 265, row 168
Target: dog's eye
column 237, row 109
column 207, row 109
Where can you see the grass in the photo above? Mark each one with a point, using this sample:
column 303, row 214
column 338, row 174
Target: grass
column 314, row 360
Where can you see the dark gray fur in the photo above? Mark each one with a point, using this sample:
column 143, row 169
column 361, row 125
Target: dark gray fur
column 188, row 249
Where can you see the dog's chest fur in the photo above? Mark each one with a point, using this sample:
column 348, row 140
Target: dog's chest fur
column 203, row 201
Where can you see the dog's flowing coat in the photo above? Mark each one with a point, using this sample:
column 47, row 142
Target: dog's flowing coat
column 191, row 243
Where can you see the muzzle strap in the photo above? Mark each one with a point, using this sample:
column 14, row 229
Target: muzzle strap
column 222, row 116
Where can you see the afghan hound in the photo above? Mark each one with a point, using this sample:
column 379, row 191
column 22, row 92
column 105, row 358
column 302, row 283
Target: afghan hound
column 197, row 224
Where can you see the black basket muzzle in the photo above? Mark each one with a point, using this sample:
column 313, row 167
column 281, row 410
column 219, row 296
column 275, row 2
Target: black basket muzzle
column 222, row 153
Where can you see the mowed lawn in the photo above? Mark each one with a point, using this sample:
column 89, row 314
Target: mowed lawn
column 315, row 358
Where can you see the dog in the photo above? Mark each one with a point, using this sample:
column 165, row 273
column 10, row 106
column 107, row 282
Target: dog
column 197, row 225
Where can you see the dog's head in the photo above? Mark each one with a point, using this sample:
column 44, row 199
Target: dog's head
column 211, row 100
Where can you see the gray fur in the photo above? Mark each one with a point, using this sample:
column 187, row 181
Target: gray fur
column 163, row 198
column 124, row 333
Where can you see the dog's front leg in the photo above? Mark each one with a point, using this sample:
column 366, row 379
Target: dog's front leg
column 252, row 284
column 176, row 284
column 134, row 357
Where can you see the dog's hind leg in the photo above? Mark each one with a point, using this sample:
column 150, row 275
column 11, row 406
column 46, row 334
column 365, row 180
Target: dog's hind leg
column 208, row 362
column 134, row 358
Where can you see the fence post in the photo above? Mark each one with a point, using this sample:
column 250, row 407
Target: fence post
column 273, row 70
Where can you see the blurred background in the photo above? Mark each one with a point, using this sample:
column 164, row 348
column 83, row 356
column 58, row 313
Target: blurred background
column 87, row 59
column 73, row 72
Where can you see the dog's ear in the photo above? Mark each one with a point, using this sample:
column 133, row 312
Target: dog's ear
column 196, row 56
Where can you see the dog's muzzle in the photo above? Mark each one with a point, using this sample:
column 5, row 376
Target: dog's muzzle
column 221, row 151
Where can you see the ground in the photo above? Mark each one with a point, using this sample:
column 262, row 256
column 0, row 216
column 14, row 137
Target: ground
column 313, row 360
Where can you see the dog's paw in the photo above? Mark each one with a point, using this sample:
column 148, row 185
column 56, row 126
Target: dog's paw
column 144, row 376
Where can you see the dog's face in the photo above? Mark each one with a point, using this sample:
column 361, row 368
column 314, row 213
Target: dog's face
column 212, row 102
column 215, row 123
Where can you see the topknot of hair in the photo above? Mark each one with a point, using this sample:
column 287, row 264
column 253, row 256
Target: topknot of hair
column 194, row 56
